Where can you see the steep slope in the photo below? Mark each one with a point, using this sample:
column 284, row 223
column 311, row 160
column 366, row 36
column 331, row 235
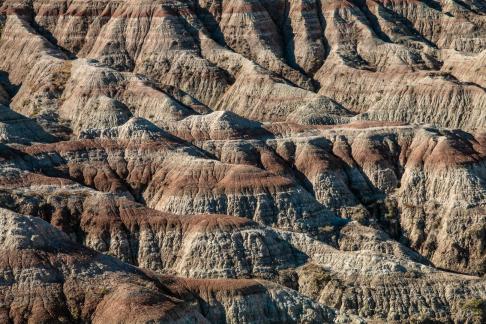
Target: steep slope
column 243, row 161
column 263, row 60
column 82, row 285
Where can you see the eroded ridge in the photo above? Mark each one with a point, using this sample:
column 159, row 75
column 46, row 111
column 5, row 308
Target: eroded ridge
column 242, row 161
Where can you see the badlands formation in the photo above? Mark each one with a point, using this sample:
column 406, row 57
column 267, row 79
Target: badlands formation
column 242, row 161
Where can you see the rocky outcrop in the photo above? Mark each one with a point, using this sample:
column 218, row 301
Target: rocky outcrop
column 154, row 172
column 198, row 246
column 242, row 161
column 82, row 285
column 371, row 57
column 455, row 191
column 365, row 283
column 472, row 66
column 222, row 246
column 43, row 257
column 368, row 174
column 15, row 128
column 455, row 105
column 360, row 171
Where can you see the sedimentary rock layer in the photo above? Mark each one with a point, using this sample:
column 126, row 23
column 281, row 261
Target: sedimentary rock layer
column 242, row 161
